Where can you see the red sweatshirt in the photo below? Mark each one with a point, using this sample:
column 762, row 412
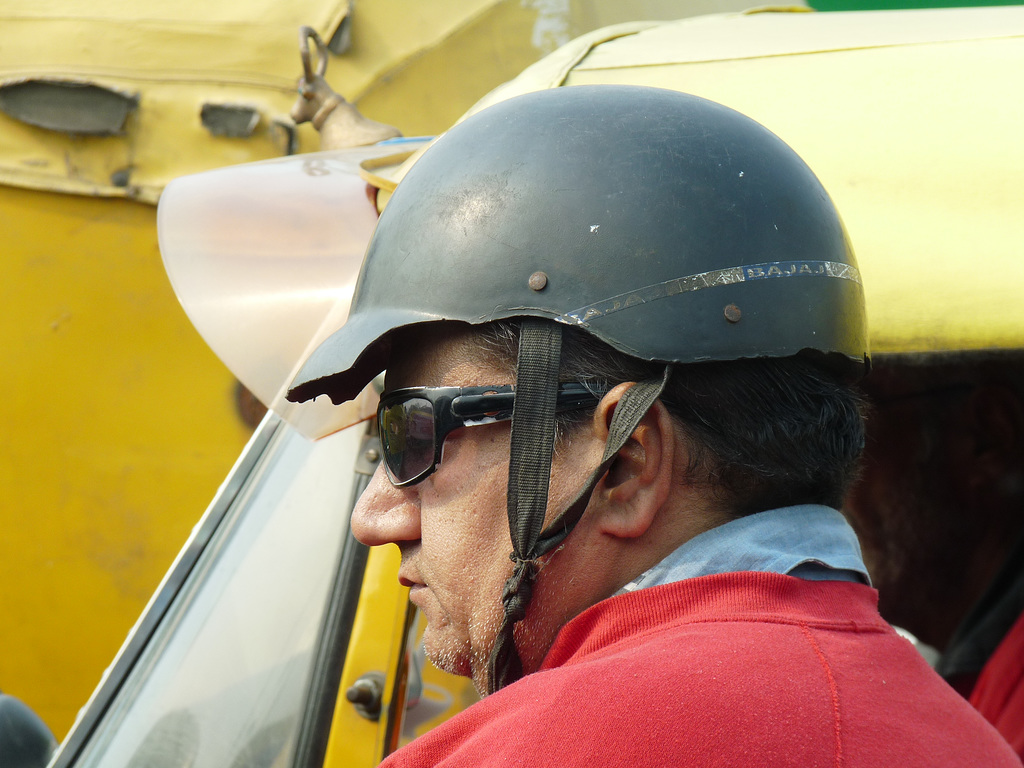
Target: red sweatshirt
column 741, row 670
column 999, row 694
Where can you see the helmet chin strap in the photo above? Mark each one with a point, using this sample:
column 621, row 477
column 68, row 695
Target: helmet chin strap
column 529, row 474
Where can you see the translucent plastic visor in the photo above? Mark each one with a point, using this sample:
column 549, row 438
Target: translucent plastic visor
column 264, row 258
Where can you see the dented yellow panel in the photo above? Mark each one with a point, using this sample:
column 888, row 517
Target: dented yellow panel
column 176, row 57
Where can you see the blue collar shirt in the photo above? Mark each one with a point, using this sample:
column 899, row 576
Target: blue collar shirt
column 808, row 541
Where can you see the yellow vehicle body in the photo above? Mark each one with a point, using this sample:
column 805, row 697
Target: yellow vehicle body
column 119, row 422
column 107, row 444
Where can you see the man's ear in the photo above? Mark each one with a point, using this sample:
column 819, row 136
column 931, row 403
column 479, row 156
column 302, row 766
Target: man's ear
column 639, row 481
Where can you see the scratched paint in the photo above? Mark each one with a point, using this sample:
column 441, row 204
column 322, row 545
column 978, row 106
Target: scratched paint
column 551, row 29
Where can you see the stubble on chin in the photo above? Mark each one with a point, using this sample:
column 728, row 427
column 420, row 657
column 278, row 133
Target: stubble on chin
column 463, row 654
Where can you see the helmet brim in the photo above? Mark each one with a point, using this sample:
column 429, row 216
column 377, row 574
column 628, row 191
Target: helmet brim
column 350, row 358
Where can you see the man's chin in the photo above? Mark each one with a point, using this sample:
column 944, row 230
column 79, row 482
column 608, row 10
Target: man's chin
column 445, row 654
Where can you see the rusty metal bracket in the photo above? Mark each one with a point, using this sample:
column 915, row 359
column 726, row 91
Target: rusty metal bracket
column 307, row 33
column 339, row 123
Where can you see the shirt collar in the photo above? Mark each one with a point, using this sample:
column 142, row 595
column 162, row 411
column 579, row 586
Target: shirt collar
column 810, row 541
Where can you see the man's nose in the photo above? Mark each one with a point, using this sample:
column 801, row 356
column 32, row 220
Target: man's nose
column 385, row 514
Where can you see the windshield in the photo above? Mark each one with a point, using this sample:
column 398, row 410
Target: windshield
column 222, row 682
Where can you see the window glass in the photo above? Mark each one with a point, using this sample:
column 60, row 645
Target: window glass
column 221, row 683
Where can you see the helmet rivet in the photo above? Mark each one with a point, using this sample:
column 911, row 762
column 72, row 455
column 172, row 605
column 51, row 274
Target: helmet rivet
column 538, row 281
column 732, row 313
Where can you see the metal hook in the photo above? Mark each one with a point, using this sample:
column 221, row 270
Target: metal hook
column 306, row 34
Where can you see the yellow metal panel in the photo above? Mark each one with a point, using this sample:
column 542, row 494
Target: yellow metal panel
column 793, row 31
column 484, row 52
column 178, row 57
column 487, row 49
column 161, row 37
column 119, row 424
column 377, row 644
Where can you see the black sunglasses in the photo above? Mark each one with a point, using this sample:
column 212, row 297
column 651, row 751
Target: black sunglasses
column 414, row 422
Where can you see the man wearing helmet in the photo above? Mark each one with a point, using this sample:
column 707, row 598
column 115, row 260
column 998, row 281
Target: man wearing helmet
column 660, row 298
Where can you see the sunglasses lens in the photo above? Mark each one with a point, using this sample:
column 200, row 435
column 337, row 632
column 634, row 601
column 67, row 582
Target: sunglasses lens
column 407, row 437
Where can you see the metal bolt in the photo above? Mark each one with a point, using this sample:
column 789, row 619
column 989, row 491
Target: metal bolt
column 367, row 694
column 732, row 313
column 372, row 455
column 361, row 693
column 538, row 281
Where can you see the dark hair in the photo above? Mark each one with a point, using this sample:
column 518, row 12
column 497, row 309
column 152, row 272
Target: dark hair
column 763, row 432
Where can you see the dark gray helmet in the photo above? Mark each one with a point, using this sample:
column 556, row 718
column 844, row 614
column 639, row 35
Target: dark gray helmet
column 671, row 227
